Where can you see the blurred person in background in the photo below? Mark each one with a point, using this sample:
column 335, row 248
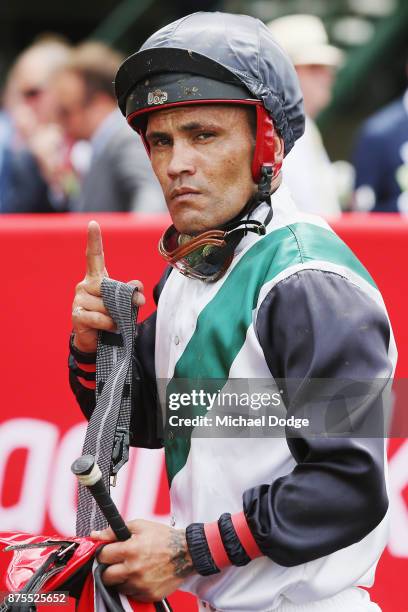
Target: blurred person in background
column 29, row 117
column 119, row 176
column 307, row 170
column 380, row 158
column 5, row 137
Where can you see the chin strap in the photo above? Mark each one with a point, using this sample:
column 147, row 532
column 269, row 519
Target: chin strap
column 263, row 193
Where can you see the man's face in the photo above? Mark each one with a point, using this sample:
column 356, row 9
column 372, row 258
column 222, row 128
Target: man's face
column 71, row 105
column 316, row 82
column 28, row 93
column 202, row 157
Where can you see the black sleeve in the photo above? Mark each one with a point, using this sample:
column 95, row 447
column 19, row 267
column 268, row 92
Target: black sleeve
column 145, row 423
column 82, row 382
column 318, row 325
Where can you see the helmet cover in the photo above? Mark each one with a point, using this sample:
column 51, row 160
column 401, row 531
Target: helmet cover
column 217, row 57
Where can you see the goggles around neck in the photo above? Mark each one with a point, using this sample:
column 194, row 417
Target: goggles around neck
column 207, row 256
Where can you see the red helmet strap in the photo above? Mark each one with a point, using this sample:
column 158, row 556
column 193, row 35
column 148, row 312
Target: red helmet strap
column 264, row 154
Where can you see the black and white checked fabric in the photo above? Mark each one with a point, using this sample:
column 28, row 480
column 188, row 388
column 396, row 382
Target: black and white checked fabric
column 111, row 417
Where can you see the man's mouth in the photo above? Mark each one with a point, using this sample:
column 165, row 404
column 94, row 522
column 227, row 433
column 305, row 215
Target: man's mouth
column 183, row 193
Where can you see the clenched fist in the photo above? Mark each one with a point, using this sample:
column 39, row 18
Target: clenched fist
column 89, row 314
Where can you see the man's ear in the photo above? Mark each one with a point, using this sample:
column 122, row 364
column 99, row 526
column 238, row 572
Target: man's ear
column 279, row 149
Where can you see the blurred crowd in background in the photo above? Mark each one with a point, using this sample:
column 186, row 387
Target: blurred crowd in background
column 64, row 145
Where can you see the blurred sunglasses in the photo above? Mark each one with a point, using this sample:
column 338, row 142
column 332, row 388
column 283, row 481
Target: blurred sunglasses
column 32, row 93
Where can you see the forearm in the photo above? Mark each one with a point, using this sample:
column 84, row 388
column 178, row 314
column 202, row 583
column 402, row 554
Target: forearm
column 82, row 369
column 180, row 554
column 331, row 500
column 222, row 543
column 334, row 497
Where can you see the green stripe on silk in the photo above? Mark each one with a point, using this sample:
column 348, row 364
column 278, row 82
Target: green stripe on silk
column 222, row 325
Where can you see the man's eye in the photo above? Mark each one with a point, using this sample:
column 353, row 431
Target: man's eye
column 205, row 135
column 160, row 142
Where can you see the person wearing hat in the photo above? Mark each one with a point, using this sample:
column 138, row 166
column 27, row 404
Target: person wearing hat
column 255, row 290
column 307, row 170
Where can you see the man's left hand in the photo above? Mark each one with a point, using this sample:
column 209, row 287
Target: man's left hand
column 153, row 563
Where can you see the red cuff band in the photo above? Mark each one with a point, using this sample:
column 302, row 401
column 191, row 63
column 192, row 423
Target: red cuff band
column 245, row 535
column 88, row 384
column 216, row 546
column 86, row 367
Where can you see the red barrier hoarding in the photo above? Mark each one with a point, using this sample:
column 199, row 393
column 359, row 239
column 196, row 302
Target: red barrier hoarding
column 41, row 428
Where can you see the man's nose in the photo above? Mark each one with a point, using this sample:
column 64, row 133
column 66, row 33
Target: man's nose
column 181, row 161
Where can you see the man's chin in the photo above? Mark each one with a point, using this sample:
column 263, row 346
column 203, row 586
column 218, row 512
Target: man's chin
column 190, row 230
column 189, row 223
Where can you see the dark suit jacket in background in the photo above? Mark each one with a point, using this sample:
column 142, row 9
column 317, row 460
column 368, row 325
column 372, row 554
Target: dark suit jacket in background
column 380, row 158
column 120, row 177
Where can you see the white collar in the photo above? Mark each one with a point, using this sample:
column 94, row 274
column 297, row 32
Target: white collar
column 282, row 206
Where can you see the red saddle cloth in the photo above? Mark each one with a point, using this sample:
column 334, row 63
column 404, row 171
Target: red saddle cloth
column 53, row 563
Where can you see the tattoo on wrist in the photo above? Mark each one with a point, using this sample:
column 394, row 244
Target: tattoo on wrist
column 180, row 558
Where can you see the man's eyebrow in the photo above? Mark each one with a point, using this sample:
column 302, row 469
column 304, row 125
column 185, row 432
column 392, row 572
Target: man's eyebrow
column 192, row 126
column 197, row 125
column 151, row 135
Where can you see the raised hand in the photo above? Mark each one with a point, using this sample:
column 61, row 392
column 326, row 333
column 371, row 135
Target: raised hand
column 88, row 311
